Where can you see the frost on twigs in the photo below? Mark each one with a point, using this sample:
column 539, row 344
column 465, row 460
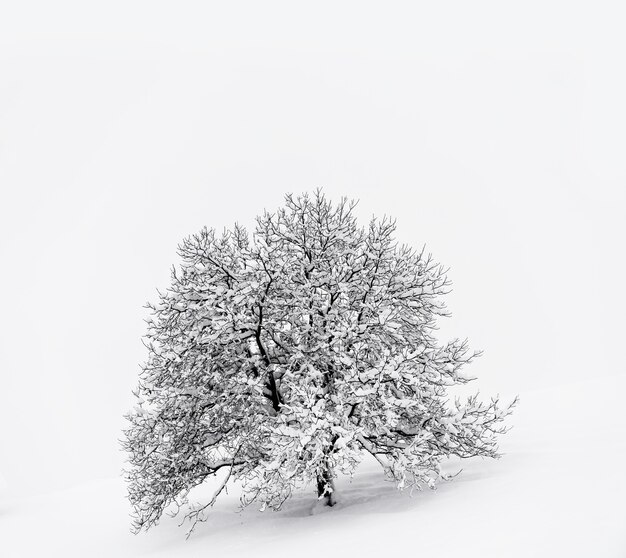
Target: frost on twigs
column 279, row 358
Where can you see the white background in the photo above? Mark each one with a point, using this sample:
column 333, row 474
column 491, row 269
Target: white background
column 495, row 133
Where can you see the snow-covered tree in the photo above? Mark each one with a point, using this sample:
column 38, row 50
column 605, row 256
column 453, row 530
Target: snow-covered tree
column 279, row 358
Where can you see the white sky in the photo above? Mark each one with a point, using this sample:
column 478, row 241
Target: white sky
column 494, row 133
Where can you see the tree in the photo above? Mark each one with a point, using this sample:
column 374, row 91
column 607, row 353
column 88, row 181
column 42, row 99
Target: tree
column 282, row 357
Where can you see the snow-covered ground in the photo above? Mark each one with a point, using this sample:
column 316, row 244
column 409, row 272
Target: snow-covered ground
column 493, row 132
column 560, row 490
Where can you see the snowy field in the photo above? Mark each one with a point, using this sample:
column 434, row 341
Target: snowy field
column 493, row 132
column 560, row 490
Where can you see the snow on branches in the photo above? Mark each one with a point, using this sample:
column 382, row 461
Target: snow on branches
column 283, row 356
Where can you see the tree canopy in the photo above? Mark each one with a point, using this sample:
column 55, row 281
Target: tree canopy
column 281, row 357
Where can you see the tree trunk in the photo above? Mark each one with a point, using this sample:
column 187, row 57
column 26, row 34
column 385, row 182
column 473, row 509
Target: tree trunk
column 326, row 487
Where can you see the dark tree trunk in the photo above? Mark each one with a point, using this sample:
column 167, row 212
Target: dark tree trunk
column 326, row 487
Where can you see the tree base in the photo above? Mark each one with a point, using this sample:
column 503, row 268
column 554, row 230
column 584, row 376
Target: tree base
column 326, row 489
